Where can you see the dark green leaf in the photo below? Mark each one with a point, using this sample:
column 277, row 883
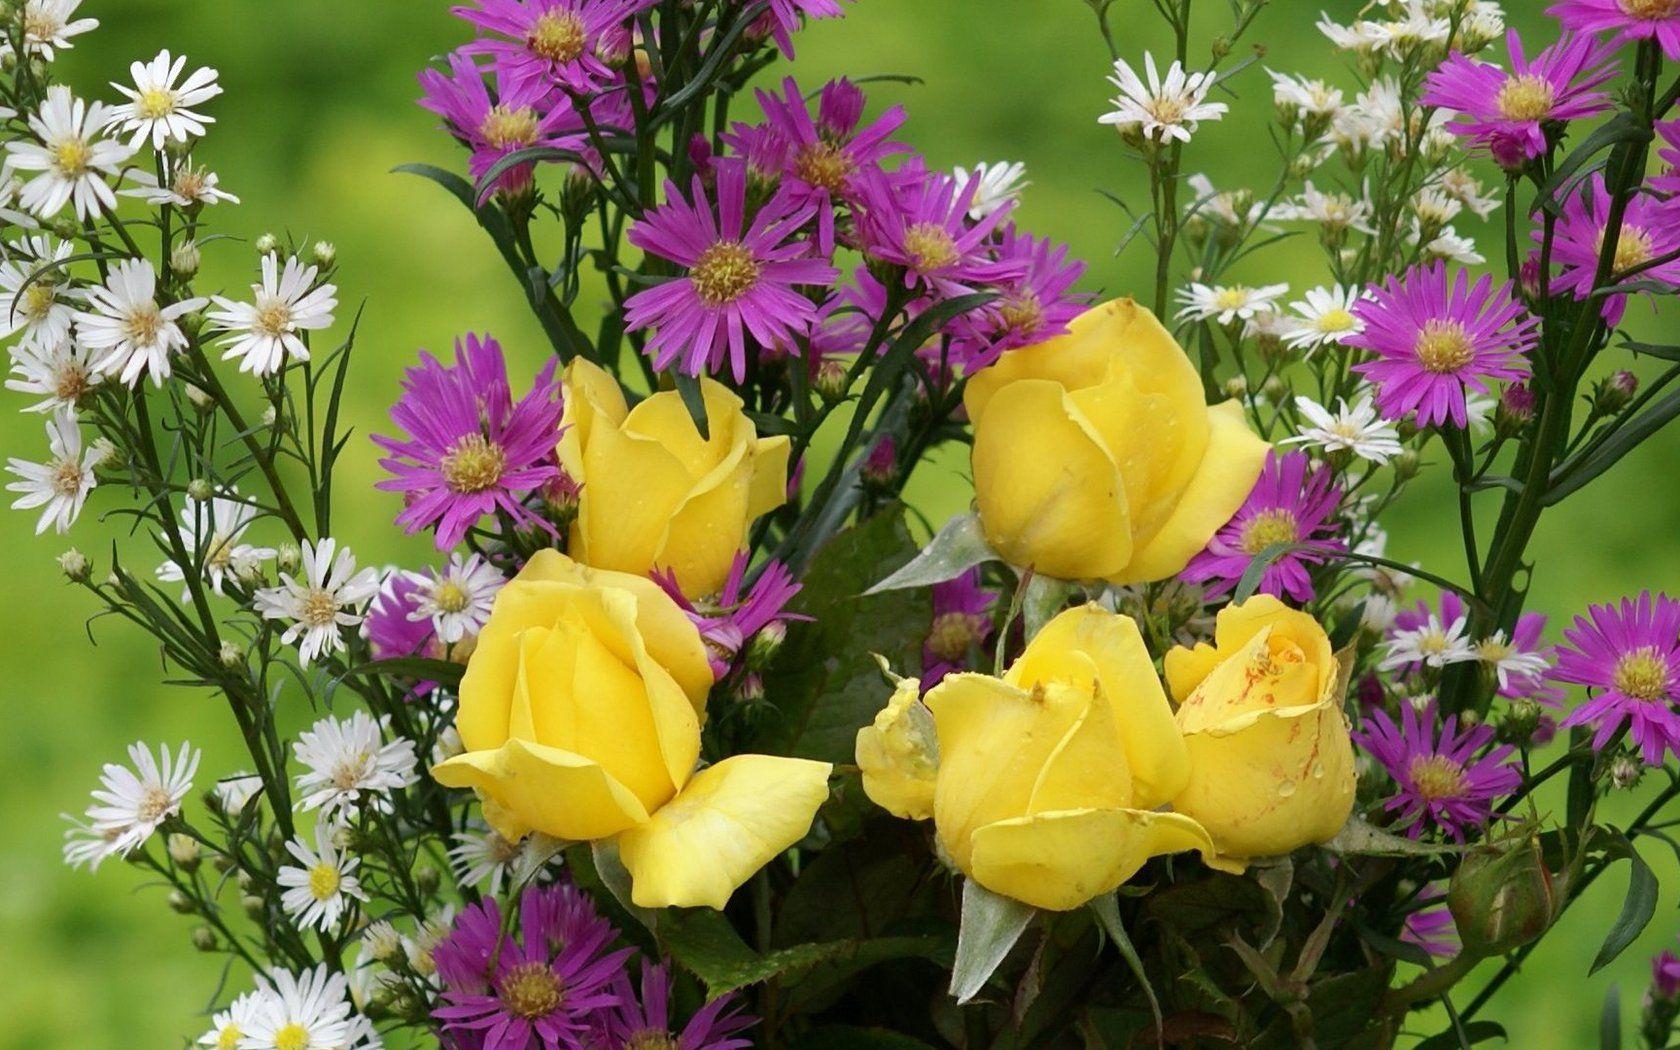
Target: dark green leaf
column 1256, row 570
column 706, row 945
column 1474, row 1032
column 1637, row 908
column 1626, row 437
column 688, row 387
column 1107, row 910
column 1610, row 1020
column 416, row 667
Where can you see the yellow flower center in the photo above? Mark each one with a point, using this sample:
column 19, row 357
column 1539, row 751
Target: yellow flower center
column 1167, row 109
column 724, row 272
column 1437, row 777
column 1633, row 248
column 143, row 324
column 319, row 608
column 930, row 246
column 40, row 26
column 220, row 551
column 154, row 103
column 651, row 1040
column 531, row 990
column 1234, row 298
column 293, row 1037
column 1525, row 97
column 823, row 165
column 72, row 383
column 1444, row 346
column 154, row 804
column 67, row 479
column 473, row 464
column 1643, row 675
column 558, row 36
column 71, row 157
column 38, row 300
column 504, row 128
column 228, row 1037
column 1493, row 650
column 273, row 317
column 189, row 184
column 1334, row 321
column 1651, row 10
column 1266, row 529
column 323, row 881
column 1021, row 313
column 450, row 597
column 952, row 635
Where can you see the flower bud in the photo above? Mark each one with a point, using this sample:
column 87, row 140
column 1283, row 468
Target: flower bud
column 1502, row 898
column 1625, row 772
column 1406, row 464
column 323, row 254
column 1518, row 723
column 75, row 565
column 383, row 943
column 204, row 939
column 1614, row 392
column 231, row 655
column 765, row 644
column 200, row 490
column 255, row 907
column 270, row 416
column 288, row 557
column 1275, row 390
column 830, row 381
column 1236, row 386
column 104, row 451
column 267, row 244
column 181, row 904
column 198, row 398
column 751, row 689
column 880, row 467
column 184, row 851
column 427, row 880
column 185, row 258
column 1516, row 408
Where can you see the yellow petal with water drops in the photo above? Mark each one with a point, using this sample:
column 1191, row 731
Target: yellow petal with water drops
column 1236, row 624
column 1048, row 492
column 710, row 529
column 1079, row 358
column 730, row 820
column 546, row 789
column 1222, row 482
column 769, row 475
column 664, row 417
column 898, row 754
column 1185, row 668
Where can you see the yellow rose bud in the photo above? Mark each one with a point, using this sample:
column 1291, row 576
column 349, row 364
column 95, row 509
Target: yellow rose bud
column 1271, row 765
column 899, row 755
column 580, row 716
column 1097, row 457
column 1048, row 778
column 654, row 494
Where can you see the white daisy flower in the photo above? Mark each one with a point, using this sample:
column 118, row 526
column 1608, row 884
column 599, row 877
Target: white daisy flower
column 1325, row 316
column 1358, row 430
column 61, row 484
column 1465, row 188
column 1434, row 208
column 1508, row 661
column 130, row 804
column 1310, row 98
column 1163, row 108
column 212, row 530
column 427, row 936
column 1417, row 28
column 70, row 155
column 48, row 26
column 232, row 793
column 1000, row 184
column 188, row 186
column 160, row 109
column 324, row 600
column 1430, row 645
column 1335, row 212
column 345, row 757
column 61, row 375
column 448, row 745
column 1448, row 245
column 458, row 599
column 1228, row 303
column 41, row 309
column 320, row 887
column 1222, row 206
column 482, row 857
column 265, row 331
column 133, row 334
column 228, row 1027
column 10, row 188
column 1360, row 36
column 1378, row 612
column 304, row 1011
column 83, row 844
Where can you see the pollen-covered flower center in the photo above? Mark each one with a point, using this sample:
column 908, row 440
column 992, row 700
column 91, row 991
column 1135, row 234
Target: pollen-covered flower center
column 952, row 635
column 1493, row 650
column 473, row 464
column 824, row 165
column 1525, row 97
column 228, row 1038
column 1231, row 298
column 506, row 127
column 272, row 316
column 348, row 774
column 651, row 1039
column 1444, row 346
column 1634, row 248
column 153, row 103
column 143, row 324
column 724, row 272
column 558, row 36
column 930, row 246
column 41, row 26
column 293, row 1037
column 154, row 803
column 71, row 383
column 450, row 597
column 1642, row 674
column 67, row 479
column 1335, row 320
column 531, row 990
column 319, row 608
column 38, row 300
column 1167, row 109
column 189, row 184
column 1266, row 529
column 1437, row 777
column 71, row 157
column 1650, row 9
column 323, row 881
column 1021, row 313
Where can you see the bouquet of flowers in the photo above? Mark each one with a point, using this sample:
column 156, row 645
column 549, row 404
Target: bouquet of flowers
column 698, row 733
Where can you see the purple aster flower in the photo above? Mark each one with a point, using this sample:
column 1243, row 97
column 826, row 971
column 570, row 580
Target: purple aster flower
column 646, row 1022
column 962, row 620
column 1668, row 180
column 1665, row 975
column 1030, row 308
column 782, row 19
column 537, row 44
column 1441, row 780
column 1630, row 654
column 1505, row 112
column 740, row 280
column 924, row 227
column 470, row 450
column 1435, row 337
column 1628, row 19
column 1650, row 230
column 731, row 619
column 1289, row 504
column 390, row 631
column 493, row 128
column 824, row 160
column 538, row 990
column 1431, row 926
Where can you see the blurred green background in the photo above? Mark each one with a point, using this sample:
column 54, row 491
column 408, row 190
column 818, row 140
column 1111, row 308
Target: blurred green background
column 319, row 108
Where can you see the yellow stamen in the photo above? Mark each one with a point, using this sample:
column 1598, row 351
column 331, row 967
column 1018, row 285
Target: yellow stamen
column 724, row 272
column 473, row 464
column 931, row 247
column 1267, row 528
column 1444, row 346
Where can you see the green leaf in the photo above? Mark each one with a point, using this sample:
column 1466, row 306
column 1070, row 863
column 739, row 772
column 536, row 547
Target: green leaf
column 1044, row 598
column 1360, row 839
column 616, row 878
column 688, row 387
column 824, row 683
column 1256, row 570
column 1610, row 1020
column 1211, row 903
column 958, row 547
column 991, row 924
column 1107, row 910
column 706, row 945
column 446, row 672
column 1626, row 437
column 1637, row 908
column 1474, row 1032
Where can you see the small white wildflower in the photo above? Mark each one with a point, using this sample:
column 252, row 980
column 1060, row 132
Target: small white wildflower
column 130, row 804
column 61, row 484
column 41, row 309
column 48, row 26
column 160, row 109
column 457, row 600
column 131, row 332
column 71, row 157
column 1429, row 645
column 319, row 888
column 325, row 600
column 1000, row 184
column 1228, row 303
column 60, row 375
column 212, row 528
column 1164, row 108
column 264, row 332
column 343, row 758
column 1358, row 430
column 1325, row 316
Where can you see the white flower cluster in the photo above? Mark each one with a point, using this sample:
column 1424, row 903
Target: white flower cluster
column 312, row 1009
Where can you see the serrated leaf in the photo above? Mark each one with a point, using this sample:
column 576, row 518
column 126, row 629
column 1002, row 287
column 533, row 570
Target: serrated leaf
column 703, row 942
column 958, row 547
column 991, row 924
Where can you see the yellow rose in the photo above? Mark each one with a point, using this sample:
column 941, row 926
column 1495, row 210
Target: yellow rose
column 1096, row 456
column 899, row 755
column 1048, row 778
column 654, row 494
column 580, row 713
column 1271, row 766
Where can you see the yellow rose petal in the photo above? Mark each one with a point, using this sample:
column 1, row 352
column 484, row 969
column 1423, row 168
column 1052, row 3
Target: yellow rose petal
column 538, row 788
column 898, row 754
